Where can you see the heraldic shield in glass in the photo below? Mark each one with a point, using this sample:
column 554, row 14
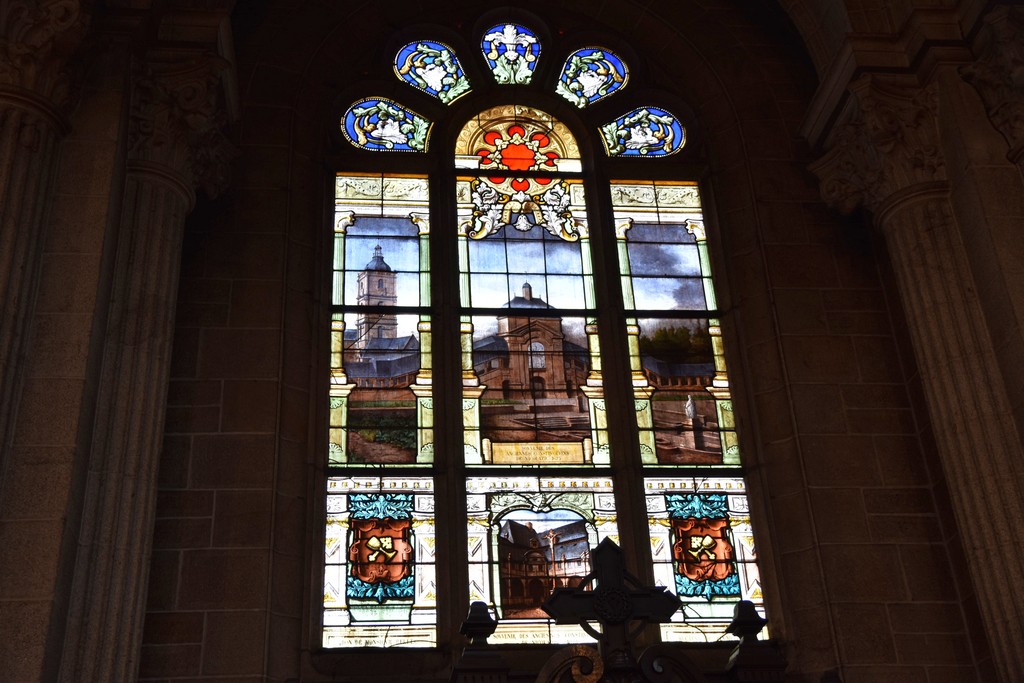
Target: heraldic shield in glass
column 380, row 587
column 703, row 550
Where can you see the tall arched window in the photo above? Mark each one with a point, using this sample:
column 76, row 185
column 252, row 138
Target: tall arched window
column 462, row 466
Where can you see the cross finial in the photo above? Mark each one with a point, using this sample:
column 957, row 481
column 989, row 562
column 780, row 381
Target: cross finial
column 611, row 603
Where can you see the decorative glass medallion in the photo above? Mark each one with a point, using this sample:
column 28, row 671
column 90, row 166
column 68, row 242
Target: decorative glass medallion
column 380, row 588
column 378, row 124
column 511, row 52
column 648, row 131
column 433, row 68
column 591, row 74
column 703, row 550
column 516, row 138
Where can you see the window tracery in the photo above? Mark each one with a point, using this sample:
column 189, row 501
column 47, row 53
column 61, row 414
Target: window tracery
column 536, row 481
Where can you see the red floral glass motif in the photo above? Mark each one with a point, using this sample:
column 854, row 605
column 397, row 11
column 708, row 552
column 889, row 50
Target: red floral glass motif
column 380, row 551
column 703, row 551
column 515, row 151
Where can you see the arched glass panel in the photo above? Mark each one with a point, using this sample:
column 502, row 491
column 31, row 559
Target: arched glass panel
column 648, row 131
column 528, row 536
column 591, row 74
column 511, row 51
column 433, row 68
column 516, row 138
column 701, row 540
column 379, row 124
column 379, row 583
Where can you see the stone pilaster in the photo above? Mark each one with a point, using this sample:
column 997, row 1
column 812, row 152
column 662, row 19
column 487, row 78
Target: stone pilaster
column 36, row 38
column 887, row 157
column 998, row 75
column 175, row 144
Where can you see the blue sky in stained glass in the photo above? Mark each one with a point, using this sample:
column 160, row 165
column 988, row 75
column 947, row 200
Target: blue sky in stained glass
column 399, row 249
column 542, row 521
column 499, row 268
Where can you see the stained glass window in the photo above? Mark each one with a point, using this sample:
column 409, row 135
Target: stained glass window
column 529, row 536
column 380, row 587
column 684, row 409
column 703, row 550
column 381, row 395
column 531, row 295
column 591, row 74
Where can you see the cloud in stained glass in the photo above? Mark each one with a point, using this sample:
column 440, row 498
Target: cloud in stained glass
column 647, row 131
column 591, row 74
column 378, row 124
column 668, row 294
column 511, row 52
column 433, row 68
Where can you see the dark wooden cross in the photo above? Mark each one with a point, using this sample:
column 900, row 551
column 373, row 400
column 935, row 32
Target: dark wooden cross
column 612, row 604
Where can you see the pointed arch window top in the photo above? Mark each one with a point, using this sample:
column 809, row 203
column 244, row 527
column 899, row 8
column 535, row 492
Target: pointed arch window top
column 591, row 74
column 433, row 68
column 647, row 131
column 511, row 51
column 378, row 124
column 516, row 138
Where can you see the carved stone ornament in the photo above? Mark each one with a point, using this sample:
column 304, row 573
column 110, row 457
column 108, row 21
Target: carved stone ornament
column 998, row 74
column 36, row 39
column 177, row 121
column 888, row 144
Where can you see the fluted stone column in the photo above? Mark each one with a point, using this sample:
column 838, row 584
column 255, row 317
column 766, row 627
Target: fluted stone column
column 36, row 38
column 998, row 75
column 887, row 157
column 175, row 144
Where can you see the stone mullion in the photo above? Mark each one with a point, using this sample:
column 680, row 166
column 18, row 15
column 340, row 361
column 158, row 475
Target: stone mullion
column 28, row 140
column 947, row 328
column 119, row 504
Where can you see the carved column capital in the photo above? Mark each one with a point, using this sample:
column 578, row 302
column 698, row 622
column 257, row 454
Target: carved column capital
column 998, row 74
column 36, row 39
column 885, row 148
column 177, row 120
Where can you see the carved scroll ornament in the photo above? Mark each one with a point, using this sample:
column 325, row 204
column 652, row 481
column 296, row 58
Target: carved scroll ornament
column 177, row 121
column 36, row 39
column 888, row 145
